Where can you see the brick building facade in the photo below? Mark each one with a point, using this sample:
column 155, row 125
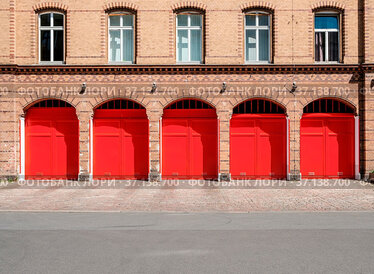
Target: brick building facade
column 291, row 77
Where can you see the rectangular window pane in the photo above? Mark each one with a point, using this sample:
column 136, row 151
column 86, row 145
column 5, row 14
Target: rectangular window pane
column 127, row 20
column 333, row 46
column 250, row 20
column 263, row 45
column 182, row 20
column 45, row 45
column 58, row 20
column 45, row 20
column 320, row 46
column 114, row 20
column 195, row 45
column 58, row 45
column 115, row 45
column 251, row 45
column 182, row 46
column 326, row 22
column 263, row 20
column 128, row 45
column 196, row 20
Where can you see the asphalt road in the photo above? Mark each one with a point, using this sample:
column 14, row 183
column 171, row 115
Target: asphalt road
column 186, row 243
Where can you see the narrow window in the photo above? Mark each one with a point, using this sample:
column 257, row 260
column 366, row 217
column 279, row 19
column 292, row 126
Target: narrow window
column 189, row 38
column 51, row 37
column 257, row 37
column 327, row 37
column 121, row 37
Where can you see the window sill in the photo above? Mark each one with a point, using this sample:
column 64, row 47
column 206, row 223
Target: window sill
column 328, row 63
column 189, row 63
column 51, row 63
column 121, row 63
column 258, row 63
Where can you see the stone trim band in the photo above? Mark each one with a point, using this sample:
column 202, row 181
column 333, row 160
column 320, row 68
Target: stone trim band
column 198, row 69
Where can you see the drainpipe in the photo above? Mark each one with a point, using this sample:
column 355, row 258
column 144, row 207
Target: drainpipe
column 288, row 149
column 357, row 148
column 91, row 148
column 22, row 148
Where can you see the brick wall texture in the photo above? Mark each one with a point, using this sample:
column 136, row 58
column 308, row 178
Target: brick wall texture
column 86, row 44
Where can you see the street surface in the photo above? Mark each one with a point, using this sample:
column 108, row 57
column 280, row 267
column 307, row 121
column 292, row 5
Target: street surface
column 318, row 195
column 278, row 242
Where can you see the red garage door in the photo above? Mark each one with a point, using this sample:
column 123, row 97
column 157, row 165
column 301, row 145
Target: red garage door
column 258, row 141
column 327, row 140
column 189, row 141
column 52, row 142
column 120, row 143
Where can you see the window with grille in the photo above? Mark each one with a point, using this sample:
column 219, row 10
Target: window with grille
column 258, row 106
column 189, row 104
column 328, row 106
column 52, row 104
column 120, row 104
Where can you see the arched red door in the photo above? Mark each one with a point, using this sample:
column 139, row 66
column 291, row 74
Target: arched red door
column 189, row 141
column 52, row 141
column 327, row 140
column 258, row 141
column 120, row 141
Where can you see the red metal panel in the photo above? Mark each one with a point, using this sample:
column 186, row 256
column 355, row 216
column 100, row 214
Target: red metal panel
column 52, row 143
column 312, row 148
column 135, row 148
column 203, row 151
column 120, row 144
column 189, row 144
column 327, row 146
column 242, row 148
column 258, row 146
column 107, row 148
column 175, row 148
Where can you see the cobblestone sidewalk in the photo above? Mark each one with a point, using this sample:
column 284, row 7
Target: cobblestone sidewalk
column 188, row 200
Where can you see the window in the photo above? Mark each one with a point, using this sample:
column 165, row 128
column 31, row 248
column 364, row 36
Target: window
column 121, row 37
column 258, row 106
column 51, row 37
column 328, row 106
column 189, row 38
column 189, row 104
column 257, row 37
column 327, row 37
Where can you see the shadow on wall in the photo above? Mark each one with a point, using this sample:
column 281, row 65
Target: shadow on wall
column 204, row 154
column 341, row 147
column 273, row 141
column 67, row 137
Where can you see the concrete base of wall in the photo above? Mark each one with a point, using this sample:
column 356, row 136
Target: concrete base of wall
column 154, row 176
column 293, row 177
column 10, row 178
column 84, row 177
column 224, row 177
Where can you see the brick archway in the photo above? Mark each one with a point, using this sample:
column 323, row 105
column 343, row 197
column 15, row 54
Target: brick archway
column 189, row 140
column 50, row 140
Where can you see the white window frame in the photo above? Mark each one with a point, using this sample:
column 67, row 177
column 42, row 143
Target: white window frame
column 189, row 28
column 327, row 31
column 51, row 29
column 257, row 28
column 121, row 28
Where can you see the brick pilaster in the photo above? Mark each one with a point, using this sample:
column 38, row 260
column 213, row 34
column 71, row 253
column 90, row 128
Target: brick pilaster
column 224, row 117
column 294, row 144
column 84, row 144
column 155, row 120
